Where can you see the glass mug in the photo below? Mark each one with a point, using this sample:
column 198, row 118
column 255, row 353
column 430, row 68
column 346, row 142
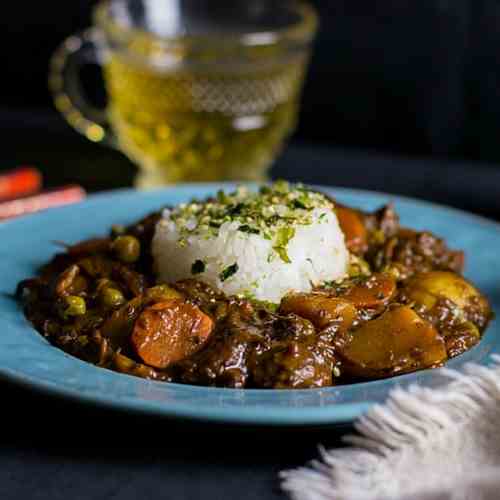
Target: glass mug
column 195, row 93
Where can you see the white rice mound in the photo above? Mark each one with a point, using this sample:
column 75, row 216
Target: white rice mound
column 317, row 253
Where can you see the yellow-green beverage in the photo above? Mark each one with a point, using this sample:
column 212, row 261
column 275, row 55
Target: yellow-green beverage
column 202, row 125
column 197, row 91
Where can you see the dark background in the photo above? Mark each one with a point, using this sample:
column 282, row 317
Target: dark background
column 418, row 77
column 402, row 97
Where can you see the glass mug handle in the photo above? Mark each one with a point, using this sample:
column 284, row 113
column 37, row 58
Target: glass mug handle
column 65, row 85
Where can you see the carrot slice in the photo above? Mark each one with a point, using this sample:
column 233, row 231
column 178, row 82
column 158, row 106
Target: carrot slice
column 169, row 331
column 353, row 228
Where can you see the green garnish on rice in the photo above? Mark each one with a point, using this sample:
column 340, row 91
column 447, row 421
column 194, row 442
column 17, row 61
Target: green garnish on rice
column 273, row 211
column 198, row 267
column 253, row 243
column 228, row 272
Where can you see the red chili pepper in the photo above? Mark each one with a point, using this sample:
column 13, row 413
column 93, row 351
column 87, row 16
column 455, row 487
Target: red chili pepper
column 21, row 181
column 51, row 198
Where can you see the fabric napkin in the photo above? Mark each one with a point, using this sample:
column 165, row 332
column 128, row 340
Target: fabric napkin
column 422, row 444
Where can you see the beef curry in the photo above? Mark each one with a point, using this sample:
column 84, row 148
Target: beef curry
column 404, row 307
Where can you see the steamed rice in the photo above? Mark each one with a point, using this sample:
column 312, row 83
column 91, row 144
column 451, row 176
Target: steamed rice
column 254, row 261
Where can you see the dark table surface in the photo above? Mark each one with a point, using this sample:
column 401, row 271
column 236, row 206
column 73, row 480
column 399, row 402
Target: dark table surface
column 53, row 449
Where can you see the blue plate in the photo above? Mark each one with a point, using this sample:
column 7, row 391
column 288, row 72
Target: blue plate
column 26, row 357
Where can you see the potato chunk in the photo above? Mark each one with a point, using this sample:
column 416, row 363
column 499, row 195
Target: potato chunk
column 398, row 341
column 426, row 289
column 320, row 310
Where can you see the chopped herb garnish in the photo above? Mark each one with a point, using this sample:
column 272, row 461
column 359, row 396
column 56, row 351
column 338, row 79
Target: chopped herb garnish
column 222, row 197
column 235, row 209
column 228, row 272
column 247, row 229
column 298, row 204
column 271, row 212
column 281, row 186
column 265, row 304
column 283, row 254
column 249, row 295
column 328, row 284
column 283, row 236
column 198, row 267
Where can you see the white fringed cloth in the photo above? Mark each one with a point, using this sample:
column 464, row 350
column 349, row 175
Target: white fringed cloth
column 422, row 444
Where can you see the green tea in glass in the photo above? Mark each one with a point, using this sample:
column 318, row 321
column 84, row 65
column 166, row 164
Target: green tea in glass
column 197, row 90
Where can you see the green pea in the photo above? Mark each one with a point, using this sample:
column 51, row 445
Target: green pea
column 117, row 230
column 74, row 306
column 163, row 292
column 127, row 248
column 111, row 297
